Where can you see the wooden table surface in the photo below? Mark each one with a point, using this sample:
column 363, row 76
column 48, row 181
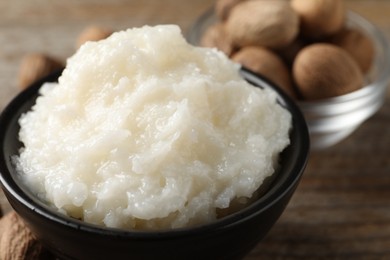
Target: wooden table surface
column 341, row 209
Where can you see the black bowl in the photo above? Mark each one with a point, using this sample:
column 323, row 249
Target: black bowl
column 230, row 237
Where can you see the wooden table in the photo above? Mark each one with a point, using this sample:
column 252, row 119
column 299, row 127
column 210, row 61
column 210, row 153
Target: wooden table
column 341, row 209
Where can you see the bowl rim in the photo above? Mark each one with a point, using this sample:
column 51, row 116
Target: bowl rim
column 12, row 188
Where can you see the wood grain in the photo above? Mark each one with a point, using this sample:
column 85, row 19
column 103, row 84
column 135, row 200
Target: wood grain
column 341, row 209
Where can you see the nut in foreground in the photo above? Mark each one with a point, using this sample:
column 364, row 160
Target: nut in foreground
column 35, row 66
column 17, row 242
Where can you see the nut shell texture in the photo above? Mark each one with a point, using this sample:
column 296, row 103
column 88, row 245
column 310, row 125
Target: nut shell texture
column 266, row 63
column 324, row 70
column 266, row 23
column 17, row 241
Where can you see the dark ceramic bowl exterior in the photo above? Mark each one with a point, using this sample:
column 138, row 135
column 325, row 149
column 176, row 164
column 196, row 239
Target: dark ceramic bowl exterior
column 231, row 237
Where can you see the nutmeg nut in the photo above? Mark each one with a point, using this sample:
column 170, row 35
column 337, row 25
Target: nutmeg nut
column 215, row 37
column 2, row 226
column 266, row 63
column 92, row 33
column 319, row 18
column 272, row 24
column 17, row 241
column 358, row 45
column 35, row 66
column 324, row 70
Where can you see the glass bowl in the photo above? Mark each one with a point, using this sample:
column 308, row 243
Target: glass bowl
column 230, row 237
column 333, row 119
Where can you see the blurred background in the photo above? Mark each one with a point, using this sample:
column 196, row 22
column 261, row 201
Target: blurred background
column 341, row 209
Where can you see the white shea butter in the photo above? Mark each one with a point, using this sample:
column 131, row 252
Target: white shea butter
column 144, row 131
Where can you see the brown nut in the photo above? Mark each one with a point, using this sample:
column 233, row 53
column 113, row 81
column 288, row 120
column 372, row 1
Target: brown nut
column 2, row 226
column 223, row 8
column 92, row 33
column 36, row 66
column 215, row 37
column 266, row 23
column 324, row 70
column 320, row 18
column 358, row 45
column 17, row 241
column 268, row 64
